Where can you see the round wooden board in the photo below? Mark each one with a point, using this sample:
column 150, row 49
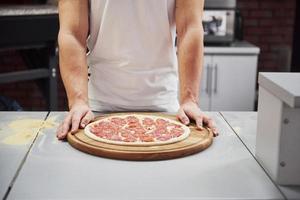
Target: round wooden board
column 196, row 142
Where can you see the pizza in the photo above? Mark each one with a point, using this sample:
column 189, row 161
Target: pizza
column 137, row 130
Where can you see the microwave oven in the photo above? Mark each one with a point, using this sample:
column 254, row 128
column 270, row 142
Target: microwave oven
column 219, row 26
column 219, row 19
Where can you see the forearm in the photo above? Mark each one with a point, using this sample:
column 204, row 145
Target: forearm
column 190, row 58
column 73, row 68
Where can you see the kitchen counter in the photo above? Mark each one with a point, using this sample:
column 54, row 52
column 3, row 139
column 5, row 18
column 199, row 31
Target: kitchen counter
column 48, row 168
column 237, row 47
column 11, row 156
column 244, row 124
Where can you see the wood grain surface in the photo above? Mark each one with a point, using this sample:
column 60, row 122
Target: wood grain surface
column 196, row 142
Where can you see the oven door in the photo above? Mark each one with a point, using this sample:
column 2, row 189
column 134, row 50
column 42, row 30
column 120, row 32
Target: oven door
column 218, row 26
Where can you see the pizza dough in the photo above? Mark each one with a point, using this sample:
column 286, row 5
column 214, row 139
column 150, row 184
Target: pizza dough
column 137, row 130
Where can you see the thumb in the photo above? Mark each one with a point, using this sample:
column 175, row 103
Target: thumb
column 183, row 117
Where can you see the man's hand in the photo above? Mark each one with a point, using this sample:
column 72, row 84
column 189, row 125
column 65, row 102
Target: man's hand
column 79, row 116
column 190, row 110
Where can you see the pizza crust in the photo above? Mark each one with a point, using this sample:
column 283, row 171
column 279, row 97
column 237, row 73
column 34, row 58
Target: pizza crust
column 91, row 135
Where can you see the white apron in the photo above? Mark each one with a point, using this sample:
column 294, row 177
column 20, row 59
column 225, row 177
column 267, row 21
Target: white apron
column 132, row 59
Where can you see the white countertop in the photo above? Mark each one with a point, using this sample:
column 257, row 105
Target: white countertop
column 11, row 156
column 236, row 48
column 244, row 124
column 226, row 170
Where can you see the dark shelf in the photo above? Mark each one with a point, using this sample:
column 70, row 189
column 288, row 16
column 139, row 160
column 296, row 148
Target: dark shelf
column 24, row 75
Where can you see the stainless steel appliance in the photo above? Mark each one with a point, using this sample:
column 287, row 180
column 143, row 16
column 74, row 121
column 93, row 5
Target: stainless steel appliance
column 219, row 21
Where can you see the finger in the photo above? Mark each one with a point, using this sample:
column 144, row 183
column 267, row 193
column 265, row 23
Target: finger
column 214, row 132
column 209, row 122
column 199, row 122
column 65, row 126
column 89, row 116
column 183, row 117
column 58, row 130
column 76, row 118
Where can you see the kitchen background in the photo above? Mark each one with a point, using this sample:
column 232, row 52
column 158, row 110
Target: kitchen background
column 271, row 25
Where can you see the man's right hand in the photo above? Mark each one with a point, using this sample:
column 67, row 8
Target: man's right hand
column 79, row 115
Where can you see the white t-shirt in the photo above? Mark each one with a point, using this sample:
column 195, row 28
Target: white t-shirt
column 132, row 59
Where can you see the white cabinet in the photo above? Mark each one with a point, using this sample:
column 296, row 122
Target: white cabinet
column 204, row 93
column 228, row 81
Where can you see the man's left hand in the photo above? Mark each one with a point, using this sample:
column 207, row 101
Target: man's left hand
column 190, row 110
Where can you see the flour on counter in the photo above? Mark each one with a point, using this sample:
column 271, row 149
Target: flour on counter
column 23, row 131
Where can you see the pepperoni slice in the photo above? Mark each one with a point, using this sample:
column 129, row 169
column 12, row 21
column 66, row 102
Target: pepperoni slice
column 118, row 121
column 161, row 130
column 116, row 138
column 164, row 138
column 132, row 119
column 129, row 139
column 133, row 125
column 176, row 132
column 108, row 136
column 146, row 138
column 161, row 122
column 140, row 131
column 173, row 125
column 102, row 124
column 109, row 131
column 148, row 121
column 158, row 132
column 94, row 129
column 100, row 134
column 124, row 133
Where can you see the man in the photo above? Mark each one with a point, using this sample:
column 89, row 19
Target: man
column 132, row 59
